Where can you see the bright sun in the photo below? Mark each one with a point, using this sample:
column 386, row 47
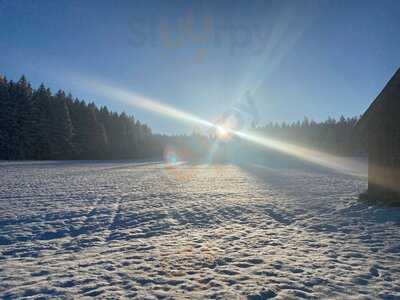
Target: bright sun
column 222, row 133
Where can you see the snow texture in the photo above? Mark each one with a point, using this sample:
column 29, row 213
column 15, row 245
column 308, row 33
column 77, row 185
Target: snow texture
column 120, row 230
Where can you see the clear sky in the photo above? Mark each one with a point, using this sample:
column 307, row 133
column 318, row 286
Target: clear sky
column 297, row 58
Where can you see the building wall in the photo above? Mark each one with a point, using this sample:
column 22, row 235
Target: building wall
column 384, row 162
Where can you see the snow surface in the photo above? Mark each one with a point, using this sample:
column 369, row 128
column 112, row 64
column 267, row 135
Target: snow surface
column 118, row 230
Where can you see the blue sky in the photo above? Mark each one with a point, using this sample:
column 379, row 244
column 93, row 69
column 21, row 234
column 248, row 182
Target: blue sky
column 297, row 58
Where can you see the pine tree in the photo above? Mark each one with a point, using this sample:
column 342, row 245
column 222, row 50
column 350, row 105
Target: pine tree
column 42, row 122
column 90, row 139
column 5, row 120
column 79, row 142
column 97, row 138
column 61, row 127
column 19, row 109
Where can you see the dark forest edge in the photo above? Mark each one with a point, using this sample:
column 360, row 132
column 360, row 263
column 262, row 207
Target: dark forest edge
column 38, row 125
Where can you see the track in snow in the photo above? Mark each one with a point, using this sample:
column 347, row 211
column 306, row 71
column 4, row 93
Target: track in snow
column 74, row 229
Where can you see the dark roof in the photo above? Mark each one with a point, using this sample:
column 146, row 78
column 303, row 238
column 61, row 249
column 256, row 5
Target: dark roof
column 389, row 94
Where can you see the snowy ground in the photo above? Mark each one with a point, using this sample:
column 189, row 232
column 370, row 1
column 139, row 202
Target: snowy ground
column 116, row 230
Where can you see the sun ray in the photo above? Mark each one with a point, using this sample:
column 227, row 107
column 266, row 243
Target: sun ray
column 339, row 164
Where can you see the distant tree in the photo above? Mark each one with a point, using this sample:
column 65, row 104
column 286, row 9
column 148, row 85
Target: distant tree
column 20, row 108
column 337, row 137
column 6, row 120
column 61, row 127
column 97, row 138
column 41, row 123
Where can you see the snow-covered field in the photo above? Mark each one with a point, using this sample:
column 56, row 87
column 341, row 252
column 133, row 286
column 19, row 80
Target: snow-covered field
column 118, row 230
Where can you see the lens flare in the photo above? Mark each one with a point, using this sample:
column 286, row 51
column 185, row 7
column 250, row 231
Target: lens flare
column 222, row 133
column 339, row 164
column 171, row 157
column 225, row 126
column 175, row 165
column 136, row 100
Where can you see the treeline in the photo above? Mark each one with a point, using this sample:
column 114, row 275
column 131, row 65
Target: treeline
column 36, row 124
column 339, row 137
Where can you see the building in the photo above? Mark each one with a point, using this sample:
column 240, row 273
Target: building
column 381, row 122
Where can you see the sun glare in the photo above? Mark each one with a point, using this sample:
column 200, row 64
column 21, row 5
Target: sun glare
column 222, row 133
column 225, row 129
